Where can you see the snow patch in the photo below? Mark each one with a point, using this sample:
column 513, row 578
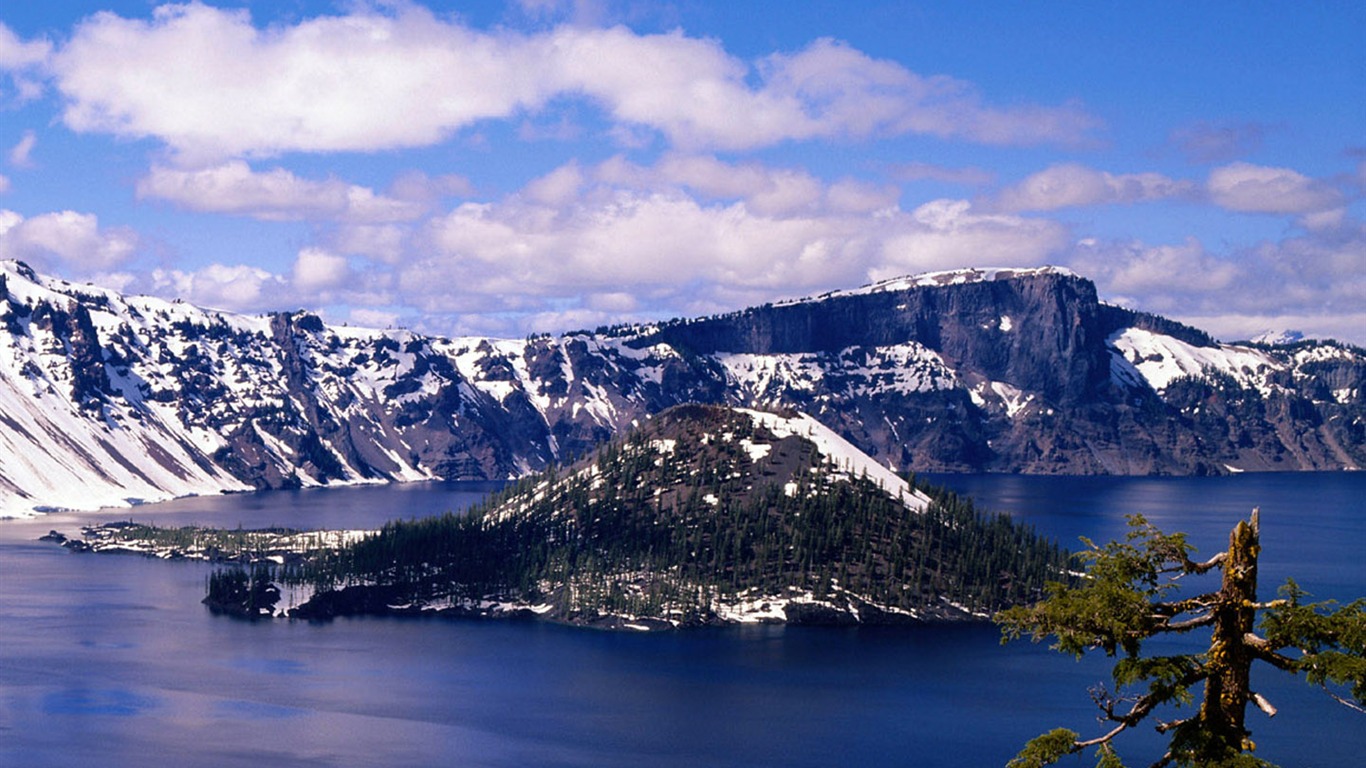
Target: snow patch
column 1159, row 360
column 840, row 454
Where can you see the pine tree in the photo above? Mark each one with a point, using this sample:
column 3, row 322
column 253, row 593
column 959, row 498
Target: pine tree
column 1129, row 595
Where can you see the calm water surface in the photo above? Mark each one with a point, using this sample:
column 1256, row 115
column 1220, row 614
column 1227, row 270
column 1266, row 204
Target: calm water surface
column 111, row 661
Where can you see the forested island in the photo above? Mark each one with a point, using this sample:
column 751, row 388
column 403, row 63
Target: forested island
column 703, row 515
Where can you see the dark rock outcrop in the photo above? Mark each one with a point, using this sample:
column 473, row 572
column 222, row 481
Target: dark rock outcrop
column 1002, row 371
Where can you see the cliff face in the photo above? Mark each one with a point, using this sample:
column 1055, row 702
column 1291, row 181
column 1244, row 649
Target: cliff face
column 108, row 398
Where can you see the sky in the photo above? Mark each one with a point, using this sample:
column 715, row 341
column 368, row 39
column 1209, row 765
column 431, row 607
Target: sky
column 535, row 166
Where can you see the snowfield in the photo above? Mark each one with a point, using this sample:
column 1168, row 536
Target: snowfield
column 841, row 455
column 1158, row 360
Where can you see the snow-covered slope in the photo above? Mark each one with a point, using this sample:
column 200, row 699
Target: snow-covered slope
column 843, row 458
column 946, row 277
column 1157, row 360
column 110, row 399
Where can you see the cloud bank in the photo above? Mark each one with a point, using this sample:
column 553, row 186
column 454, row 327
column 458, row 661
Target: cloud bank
column 334, row 83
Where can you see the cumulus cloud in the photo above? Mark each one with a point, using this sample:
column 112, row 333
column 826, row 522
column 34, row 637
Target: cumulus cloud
column 1071, row 185
column 333, row 84
column 373, row 318
column 277, row 195
column 239, row 288
column 1160, row 276
column 1262, row 189
column 1313, row 281
column 948, row 234
column 316, row 269
column 590, row 244
column 74, row 240
column 654, row 246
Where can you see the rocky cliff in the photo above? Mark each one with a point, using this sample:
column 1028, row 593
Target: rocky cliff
column 108, row 399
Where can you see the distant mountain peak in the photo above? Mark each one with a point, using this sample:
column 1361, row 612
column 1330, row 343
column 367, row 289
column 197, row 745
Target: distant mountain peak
column 1278, row 337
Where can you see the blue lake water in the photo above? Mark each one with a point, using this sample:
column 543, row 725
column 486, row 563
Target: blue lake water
column 111, row 661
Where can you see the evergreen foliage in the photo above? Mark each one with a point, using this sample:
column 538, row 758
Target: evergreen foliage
column 242, row 592
column 1130, row 594
column 686, row 514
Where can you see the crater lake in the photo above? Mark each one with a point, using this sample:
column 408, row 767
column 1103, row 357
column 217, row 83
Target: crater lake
column 112, row 660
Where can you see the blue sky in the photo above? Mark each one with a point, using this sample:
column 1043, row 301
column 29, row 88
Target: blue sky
column 502, row 168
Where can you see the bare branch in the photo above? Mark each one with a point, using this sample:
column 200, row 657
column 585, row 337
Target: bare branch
column 1080, row 745
column 1190, row 566
column 1163, row 727
column 1199, row 602
column 1143, row 706
column 1345, row 702
column 1264, row 652
column 1187, row 625
column 1263, row 704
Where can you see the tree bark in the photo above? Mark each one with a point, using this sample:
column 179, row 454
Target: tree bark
column 1227, row 689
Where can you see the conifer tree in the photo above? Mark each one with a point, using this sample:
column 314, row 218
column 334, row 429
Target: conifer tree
column 1129, row 595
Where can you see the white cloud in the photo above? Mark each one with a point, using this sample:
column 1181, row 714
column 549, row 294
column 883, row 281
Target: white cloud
column 277, row 194
column 1135, row 269
column 1261, row 189
column 4, row 184
column 373, row 318
column 671, row 252
column 326, row 84
column 1070, row 185
column 15, row 54
column 19, row 153
column 418, row 187
column 948, row 234
column 764, row 190
column 381, row 242
column 74, row 239
column 559, row 187
column 336, row 83
column 587, row 245
column 852, row 94
column 238, row 288
column 22, row 61
column 316, row 269
column 1233, row 326
column 1313, row 282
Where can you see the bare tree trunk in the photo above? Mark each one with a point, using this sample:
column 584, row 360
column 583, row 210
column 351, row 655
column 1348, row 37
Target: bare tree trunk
column 1227, row 689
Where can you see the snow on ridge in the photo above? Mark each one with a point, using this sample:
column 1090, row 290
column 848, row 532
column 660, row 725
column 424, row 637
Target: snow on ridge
column 861, row 371
column 1278, row 337
column 839, row 453
column 1159, row 360
column 941, row 278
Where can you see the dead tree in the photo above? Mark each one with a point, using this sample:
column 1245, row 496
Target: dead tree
column 1129, row 593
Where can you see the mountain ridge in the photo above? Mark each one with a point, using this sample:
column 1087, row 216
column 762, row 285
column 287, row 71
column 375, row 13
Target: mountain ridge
column 110, row 400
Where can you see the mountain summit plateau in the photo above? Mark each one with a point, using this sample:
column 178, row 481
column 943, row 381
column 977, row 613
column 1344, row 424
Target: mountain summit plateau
column 110, row 400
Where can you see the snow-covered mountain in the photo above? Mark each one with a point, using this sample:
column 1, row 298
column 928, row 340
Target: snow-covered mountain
column 109, row 399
